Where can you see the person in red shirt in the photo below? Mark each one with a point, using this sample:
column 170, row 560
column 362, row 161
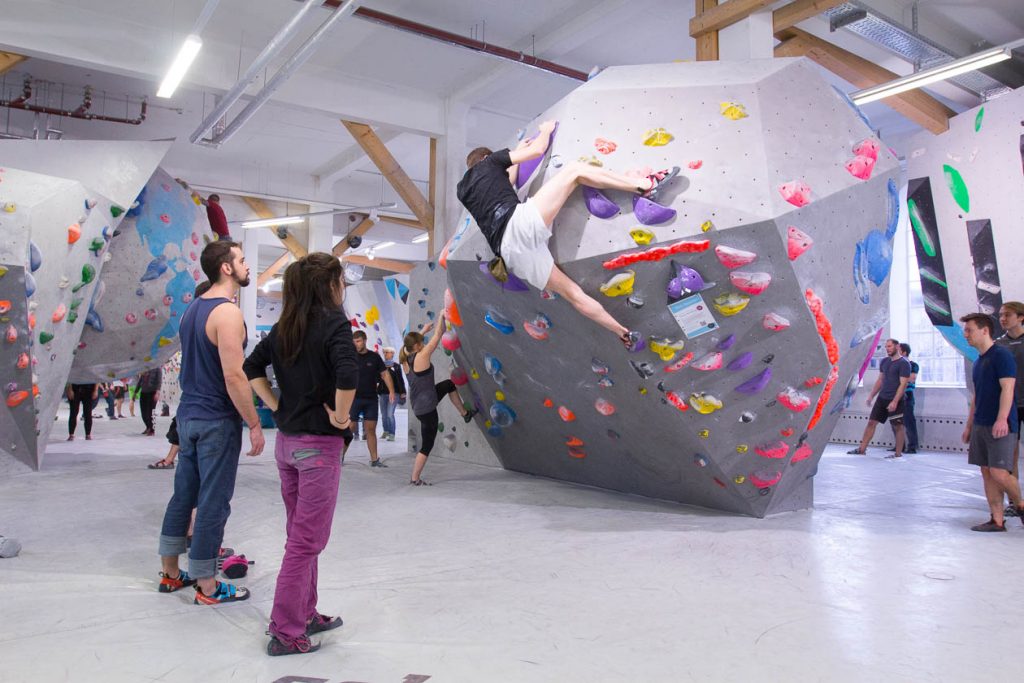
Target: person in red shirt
column 215, row 214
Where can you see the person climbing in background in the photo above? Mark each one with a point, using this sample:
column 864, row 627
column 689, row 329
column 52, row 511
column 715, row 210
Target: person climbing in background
column 149, row 384
column 909, row 419
column 371, row 370
column 387, row 406
column 992, row 423
column 81, row 396
column 315, row 363
column 893, row 376
column 518, row 233
column 215, row 214
column 1011, row 319
column 424, row 394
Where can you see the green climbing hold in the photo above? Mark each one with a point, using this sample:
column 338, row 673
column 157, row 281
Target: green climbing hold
column 957, row 187
column 75, row 303
column 978, row 118
column 45, row 337
column 440, row 427
column 96, row 244
column 88, row 274
column 72, row 317
column 922, row 233
column 116, row 211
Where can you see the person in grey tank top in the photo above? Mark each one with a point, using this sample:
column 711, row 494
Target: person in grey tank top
column 424, row 394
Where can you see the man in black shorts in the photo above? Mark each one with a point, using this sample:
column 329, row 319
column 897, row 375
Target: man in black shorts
column 519, row 232
column 1011, row 319
column 893, row 376
column 991, row 430
column 371, row 368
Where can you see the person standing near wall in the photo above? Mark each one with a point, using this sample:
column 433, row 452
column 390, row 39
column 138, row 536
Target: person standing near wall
column 387, row 406
column 215, row 398
column 893, row 376
column 365, row 406
column 314, row 362
column 118, row 387
column 909, row 417
column 1011, row 319
column 81, row 396
column 991, row 430
column 149, row 384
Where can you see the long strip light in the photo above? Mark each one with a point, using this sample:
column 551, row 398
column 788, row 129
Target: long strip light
column 264, row 222
column 421, row 239
column 186, row 55
column 928, row 76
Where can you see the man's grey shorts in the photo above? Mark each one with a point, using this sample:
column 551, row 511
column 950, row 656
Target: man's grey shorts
column 985, row 450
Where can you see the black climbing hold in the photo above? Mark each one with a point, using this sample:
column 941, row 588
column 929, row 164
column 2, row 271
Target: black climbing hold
column 768, row 359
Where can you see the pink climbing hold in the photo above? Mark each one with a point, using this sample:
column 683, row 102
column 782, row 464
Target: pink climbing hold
column 168, row 300
column 679, row 364
column 765, row 480
column 793, row 399
column 195, row 238
column 695, row 164
column 867, row 148
column 712, row 361
column 776, row 450
column 861, row 167
column 802, row 452
column 23, row 361
column 59, row 314
column 751, row 283
column 459, row 377
column 677, row 401
column 150, row 314
column 131, row 318
column 796, row 192
column 11, row 334
column 538, row 332
column 165, row 218
column 773, row 322
column 797, row 242
column 734, row 258
column 450, row 341
column 605, row 146
column 604, row 407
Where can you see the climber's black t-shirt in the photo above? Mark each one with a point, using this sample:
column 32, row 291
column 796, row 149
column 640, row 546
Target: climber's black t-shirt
column 488, row 194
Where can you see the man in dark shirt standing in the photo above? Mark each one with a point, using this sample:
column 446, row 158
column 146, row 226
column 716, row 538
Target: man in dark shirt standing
column 519, row 232
column 365, row 406
column 149, row 389
column 1011, row 319
column 893, row 376
column 991, row 430
column 909, row 418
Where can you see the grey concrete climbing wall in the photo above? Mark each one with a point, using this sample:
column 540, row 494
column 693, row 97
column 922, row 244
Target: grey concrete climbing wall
column 456, row 439
column 57, row 232
column 151, row 271
column 965, row 195
column 759, row 281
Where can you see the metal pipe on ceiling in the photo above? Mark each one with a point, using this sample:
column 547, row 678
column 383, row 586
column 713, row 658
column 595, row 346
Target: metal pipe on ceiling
column 82, row 112
column 457, row 40
column 300, row 57
column 276, row 44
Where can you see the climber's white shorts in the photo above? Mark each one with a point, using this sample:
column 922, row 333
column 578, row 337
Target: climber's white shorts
column 524, row 246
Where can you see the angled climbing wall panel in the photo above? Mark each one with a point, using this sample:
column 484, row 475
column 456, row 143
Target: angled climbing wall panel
column 965, row 198
column 758, row 279
column 147, row 283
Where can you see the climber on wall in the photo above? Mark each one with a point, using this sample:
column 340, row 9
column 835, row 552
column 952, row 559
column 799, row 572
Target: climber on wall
column 518, row 233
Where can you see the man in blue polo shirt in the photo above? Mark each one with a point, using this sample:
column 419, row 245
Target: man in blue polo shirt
column 991, row 429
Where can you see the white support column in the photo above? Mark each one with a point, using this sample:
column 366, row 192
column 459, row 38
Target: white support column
column 751, row 38
column 321, row 230
column 251, row 249
column 451, row 165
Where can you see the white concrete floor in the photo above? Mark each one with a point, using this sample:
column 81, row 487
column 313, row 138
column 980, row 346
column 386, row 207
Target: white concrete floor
column 496, row 576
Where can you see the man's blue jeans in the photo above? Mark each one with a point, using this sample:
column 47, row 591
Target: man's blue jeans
column 387, row 414
column 205, row 480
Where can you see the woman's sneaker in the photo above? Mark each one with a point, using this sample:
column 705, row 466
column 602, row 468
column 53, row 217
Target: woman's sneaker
column 300, row 646
column 169, row 584
column 225, row 592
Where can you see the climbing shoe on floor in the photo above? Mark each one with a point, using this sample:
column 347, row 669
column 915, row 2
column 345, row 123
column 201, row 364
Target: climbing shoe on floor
column 169, row 585
column 990, row 525
column 225, row 592
column 300, row 646
column 377, row 463
column 321, row 623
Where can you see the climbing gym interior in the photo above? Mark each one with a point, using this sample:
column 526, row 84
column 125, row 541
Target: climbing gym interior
column 664, row 460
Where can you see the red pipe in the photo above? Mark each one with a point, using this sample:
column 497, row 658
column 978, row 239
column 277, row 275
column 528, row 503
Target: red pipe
column 461, row 41
column 80, row 113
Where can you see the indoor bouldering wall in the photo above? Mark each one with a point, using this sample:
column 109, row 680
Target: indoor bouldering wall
column 965, row 199
column 758, row 278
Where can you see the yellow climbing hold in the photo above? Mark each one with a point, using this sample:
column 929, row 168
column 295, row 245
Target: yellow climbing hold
column 10, row 207
column 475, row 374
column 665, row 348
column 706, row 225
column 657, row 137
column 592, row 161
column 703, row 433
column 487, row 423
column 164, row 341
column 147, row 358
column 372, row 315
column 499, row 395
column 739, row 479
column 733, row 111
column 742, row 448
column 620, row 284
column 643, row 391
column 731, row 303
column 641, row 236
column 705, row 404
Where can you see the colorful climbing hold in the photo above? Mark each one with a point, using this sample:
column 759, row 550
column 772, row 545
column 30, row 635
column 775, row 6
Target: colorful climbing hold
column 499, row 322
column 23, row 361
column 797, row 242
column 741, row 361
column 751, row 283
column 642, row 368
column 978, row 118
column 793, row 399
column 604, row 407
column 5, row 306
column 604, row 146
column 59, row 313
column 704, row 433
column 687, row 281
column 676, row 401
column 812, row 382
column 815, row 304
column 10, row 207
column 957, row 188
column 704, row 403
column 548, row 403
column 733, row 111
column 657, row 253
column 88, row 273
column 502, row 414
column 695, row 164
column 16, row 398
column 650, row 212
column 598, row 204
column 566, row 414
column 786, row 433
column 155, row 269
column 35, row 257
column 679, row 364
column 860, row 167
column 45, row 337
column 96, row 244
column 574, row 442
column 598, row 367
column 635, row 300
column 605, row 383
column 131, row 318
column 734, row 258
column 535, row 331
column 666, row 349
column 764, row 480
column 577, row 453
column 641, row 236
column 731, row 303
column 726, row 343
column 796, row 192
column 742, row 448
column 706, row 226
column 30, row 285
column 619, row 284
column 747, row 417
column 773, row 322
column 712, row 361
column 802, row 452
column 774, row 451
column 700, row 460
column 755, row 384
column 450, row 341
column 74, row 233
column 657, row 137
column 11, row 335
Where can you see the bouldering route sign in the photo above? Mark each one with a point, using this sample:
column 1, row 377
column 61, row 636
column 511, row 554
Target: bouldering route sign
column 693, row 316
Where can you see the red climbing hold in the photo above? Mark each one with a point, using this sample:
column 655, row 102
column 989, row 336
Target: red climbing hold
column 797, row 242
column 566, row 414
column 74, row 233
column 796, row 192
column 574, row 441
column 787, row 432
column 776, row 450
column 823, row 324
column 764, row 480
column 812, row 382
column 679, row 364
column 548, row 403
column 793, row 399
column 803, row 452
column 657, row 253
column 677, row 401
column 15, row 398
column 826, row 394
column 577, row 453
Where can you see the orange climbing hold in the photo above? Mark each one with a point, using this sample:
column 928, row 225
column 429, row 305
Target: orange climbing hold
column 566, row 414
column 657, row 253
column 826, row 394
column 548, row 403
column 59, row 314
column 823, row 324
column 605, row 146
column 31, row 321
column 5, row 306
column 74, row 233
column 451, row 309
column 812, row 382
column 574, row 441
column 787, row 432
column 16, row 398
column 23, row 361
column 577, row 453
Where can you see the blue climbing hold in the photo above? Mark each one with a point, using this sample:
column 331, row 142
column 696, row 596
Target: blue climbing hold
column 498, row 322
column 30, row 285
column 501, row 414
column 892, row 210
column 35, row 257
column 155, row 269
column 93, row 320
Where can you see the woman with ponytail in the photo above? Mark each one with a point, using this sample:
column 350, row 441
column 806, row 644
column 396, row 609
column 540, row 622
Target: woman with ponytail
column 314, row 361
column 424, row 395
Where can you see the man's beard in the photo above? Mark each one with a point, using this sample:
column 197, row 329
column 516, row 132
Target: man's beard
column 240, row 282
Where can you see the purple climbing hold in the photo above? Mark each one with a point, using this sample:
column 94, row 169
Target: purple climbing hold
column 686, row 282
column 651, row 213
column 527, row 168
column 756, row 383
column 741, row 361
column 598, row 204
column 727, row 343
column 513, row 284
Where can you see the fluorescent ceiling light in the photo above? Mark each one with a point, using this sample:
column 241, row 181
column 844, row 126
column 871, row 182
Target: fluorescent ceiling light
column 421, row 239
column 370, row 255
column 280, row 220
column 383, row 245
column 928, row 76
column 273, row 281
column 186, row 55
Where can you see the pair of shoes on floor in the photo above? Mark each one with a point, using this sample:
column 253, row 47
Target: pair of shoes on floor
column 468, row 417
column 990, row 525
column 300, row 646
column 856, row 451
column 224, row 592
column 321, row 623
column 169, row 584
column 161, row 465
column 377, row 463
column 894, row 456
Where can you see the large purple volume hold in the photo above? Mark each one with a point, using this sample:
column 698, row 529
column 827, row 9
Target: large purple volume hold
column 650, row 213
column 527, row 168
column 598, row 204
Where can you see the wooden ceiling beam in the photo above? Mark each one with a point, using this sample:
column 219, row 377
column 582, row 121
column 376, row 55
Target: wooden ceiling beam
column 268, row 274
column 401, row 221
column 799, row 10
column 916, row 105
column 260, row 208
column 726, row 14
column 707, row 43
column 358, row 231
column 9, row 60
column 391, row 265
